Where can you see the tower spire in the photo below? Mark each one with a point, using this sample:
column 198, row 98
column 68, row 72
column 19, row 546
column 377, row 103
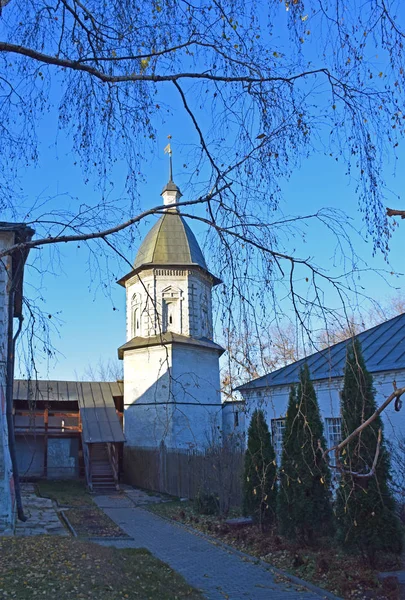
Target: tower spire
column 168, row 150
column 171, row 193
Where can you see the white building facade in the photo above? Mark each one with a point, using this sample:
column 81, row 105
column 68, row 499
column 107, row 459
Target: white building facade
column 11, row 277
column 171, row 363
column 383, row 349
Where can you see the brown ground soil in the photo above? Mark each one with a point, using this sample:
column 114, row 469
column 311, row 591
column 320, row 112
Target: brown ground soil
column 86, row 518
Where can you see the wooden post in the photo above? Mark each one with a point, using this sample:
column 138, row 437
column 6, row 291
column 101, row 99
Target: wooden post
column 46, row 442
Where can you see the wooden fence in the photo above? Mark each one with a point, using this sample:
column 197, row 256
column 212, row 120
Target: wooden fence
column 186, row 474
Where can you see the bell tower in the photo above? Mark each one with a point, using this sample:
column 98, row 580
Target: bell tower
column 171, row 362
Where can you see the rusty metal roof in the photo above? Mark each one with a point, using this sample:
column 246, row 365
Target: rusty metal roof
column 95, row 399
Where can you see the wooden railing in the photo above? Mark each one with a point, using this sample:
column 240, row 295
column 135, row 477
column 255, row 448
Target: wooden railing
column 87, row 464
column 38, row 423
column 114, row 461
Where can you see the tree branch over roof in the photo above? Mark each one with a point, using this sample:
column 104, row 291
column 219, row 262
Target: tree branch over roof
column 255, row 104
column 396, row 395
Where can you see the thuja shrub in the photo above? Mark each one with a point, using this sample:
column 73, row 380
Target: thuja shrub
column 304, row 502
column 365, row 509
column 260, row 472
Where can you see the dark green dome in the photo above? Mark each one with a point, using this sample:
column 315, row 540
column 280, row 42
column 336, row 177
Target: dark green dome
column 170, row 242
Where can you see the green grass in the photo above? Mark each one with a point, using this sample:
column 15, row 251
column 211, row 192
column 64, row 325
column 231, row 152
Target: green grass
column 65, row 493
column 51, row 567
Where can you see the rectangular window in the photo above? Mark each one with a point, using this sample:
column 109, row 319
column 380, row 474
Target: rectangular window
column 277, row 431
column 236, row 419
column 333, row 434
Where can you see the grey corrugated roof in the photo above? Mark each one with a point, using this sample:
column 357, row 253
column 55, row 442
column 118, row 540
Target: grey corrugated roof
column 383, row 349
column 95, row 398
column 168, row 338
column 99, row 418
column 170, row 242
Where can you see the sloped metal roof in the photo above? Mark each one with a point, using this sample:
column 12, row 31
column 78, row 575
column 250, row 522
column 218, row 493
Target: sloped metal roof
column 168, row 338
column 100, row 422
column 99, row 418
column 383, row 349
column 170, row 242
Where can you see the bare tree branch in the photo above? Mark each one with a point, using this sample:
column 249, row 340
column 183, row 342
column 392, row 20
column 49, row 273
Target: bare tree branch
column 396, row 395
column 107, row 78
column 392, row 212
column 63, row 239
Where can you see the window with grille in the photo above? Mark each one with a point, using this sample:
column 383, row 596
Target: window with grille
column 333, row 434
column 277, row 432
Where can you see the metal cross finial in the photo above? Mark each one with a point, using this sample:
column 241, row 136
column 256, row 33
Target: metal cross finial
column 168, row 150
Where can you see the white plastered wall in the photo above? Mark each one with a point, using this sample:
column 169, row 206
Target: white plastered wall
column 274, row 402
column 196, row 388
column 191, row 292
column 172, row 395
column 234, row 423
column 172, row 392
column 147, row 396
column 6, row 476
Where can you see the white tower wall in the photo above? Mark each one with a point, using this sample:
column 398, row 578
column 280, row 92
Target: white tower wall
column 171, row 364
column 147, row 396
column 153, row 290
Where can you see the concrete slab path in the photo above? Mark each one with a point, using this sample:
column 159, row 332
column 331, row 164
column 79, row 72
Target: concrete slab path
column 42, row 517
column 220, row 573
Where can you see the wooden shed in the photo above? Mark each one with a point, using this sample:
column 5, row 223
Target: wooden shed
column 67, row 429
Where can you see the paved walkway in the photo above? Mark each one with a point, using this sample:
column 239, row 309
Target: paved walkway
column 42, row 517
column 219, row 573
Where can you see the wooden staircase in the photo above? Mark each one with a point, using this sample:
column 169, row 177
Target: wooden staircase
column 101, row 468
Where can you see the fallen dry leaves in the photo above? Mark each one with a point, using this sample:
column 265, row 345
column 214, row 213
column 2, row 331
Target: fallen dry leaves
column 65, row 568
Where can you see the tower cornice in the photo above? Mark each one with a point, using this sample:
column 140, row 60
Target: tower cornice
column 154, row 267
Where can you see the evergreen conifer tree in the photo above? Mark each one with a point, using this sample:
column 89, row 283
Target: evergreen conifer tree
column 304, row 500
column 260, row 472
column 365, row 508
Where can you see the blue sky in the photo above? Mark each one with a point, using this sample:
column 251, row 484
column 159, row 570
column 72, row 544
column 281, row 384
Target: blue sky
column 85, row 302
column 91, row 319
